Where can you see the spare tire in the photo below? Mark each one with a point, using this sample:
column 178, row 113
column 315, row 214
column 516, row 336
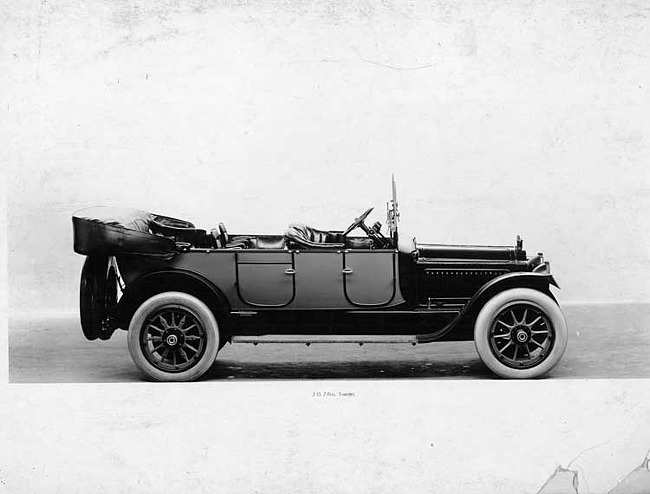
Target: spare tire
column 93, row 296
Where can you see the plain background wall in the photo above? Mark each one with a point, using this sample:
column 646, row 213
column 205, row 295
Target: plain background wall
column 497, row 118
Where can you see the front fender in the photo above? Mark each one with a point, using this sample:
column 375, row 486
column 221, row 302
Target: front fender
column 536, row 281
column 467, row 316
column 150, row 284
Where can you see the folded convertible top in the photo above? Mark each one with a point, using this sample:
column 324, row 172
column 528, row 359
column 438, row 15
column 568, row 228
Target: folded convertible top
column 112, row 231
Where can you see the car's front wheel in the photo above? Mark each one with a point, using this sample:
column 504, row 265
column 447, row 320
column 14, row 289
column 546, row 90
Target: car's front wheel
column 173, row 336
column 520, row 333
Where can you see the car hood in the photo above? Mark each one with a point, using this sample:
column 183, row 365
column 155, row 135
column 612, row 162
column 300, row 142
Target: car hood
column 470, row 252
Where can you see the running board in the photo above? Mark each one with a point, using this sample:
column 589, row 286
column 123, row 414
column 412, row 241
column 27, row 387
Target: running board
column 308, row 339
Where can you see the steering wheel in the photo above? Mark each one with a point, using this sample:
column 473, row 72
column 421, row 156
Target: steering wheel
column 358, row 222
column 223, row 235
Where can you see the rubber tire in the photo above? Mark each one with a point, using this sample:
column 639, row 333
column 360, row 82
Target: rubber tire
column 189, row 303
column 492, row 308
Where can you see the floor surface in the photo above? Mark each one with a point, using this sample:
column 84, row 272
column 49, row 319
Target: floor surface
column 605, row 341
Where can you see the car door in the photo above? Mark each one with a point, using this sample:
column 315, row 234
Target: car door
column 319, row 280
column 265, row 278
column 369, row 277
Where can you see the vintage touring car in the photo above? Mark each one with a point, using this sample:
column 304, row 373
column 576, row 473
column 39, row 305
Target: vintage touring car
column 183, row 293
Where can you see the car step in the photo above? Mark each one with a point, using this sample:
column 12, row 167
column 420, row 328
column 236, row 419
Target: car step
column 309, row 339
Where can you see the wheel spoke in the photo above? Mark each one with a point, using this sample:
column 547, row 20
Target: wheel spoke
column 527, row 351
column 505, row 346
column 181, row 323
column 164, row 354
column 514, row 357
column 195, row 350
column 523, row 319
column 151, row 326
column 514, row 318
column 502, row 335
column 540, row 331
column 184, row 354
column 530, row 325
column 171, row 316
column 509, row 326
column 154, row 338
column 164, row 323
column 188, row 328
column 155, row 349
column 537, row 344
column 192, row 338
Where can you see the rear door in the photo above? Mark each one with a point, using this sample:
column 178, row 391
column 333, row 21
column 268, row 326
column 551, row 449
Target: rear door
column 369, row 277
column 265, row 278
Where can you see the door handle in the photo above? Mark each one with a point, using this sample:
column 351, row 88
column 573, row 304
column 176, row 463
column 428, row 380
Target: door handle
column 289, row 271
column 347, row 271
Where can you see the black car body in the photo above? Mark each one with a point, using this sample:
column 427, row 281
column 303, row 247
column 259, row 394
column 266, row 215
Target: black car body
column 183, row 292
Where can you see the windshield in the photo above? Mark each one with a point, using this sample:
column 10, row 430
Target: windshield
column 392, row 216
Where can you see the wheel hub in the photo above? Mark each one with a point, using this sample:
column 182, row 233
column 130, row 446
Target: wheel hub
column 521, row 335
column 173, row 338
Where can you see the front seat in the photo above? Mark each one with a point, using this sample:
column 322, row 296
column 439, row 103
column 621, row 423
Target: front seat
column 301, row 236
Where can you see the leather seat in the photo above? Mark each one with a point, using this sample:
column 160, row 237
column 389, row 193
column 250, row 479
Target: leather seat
column 242, row 242
column 359, row 243
column 299, row 235
column 270, row 242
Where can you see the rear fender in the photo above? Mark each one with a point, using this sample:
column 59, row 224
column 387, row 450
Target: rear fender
column 145, row 287
column 466, row 318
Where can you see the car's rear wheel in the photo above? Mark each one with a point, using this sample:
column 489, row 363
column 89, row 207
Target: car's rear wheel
column 173, row 336
column 520, row 333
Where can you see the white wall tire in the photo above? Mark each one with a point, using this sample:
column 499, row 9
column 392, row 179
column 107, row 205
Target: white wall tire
column 520, row 334
column 173, row 336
